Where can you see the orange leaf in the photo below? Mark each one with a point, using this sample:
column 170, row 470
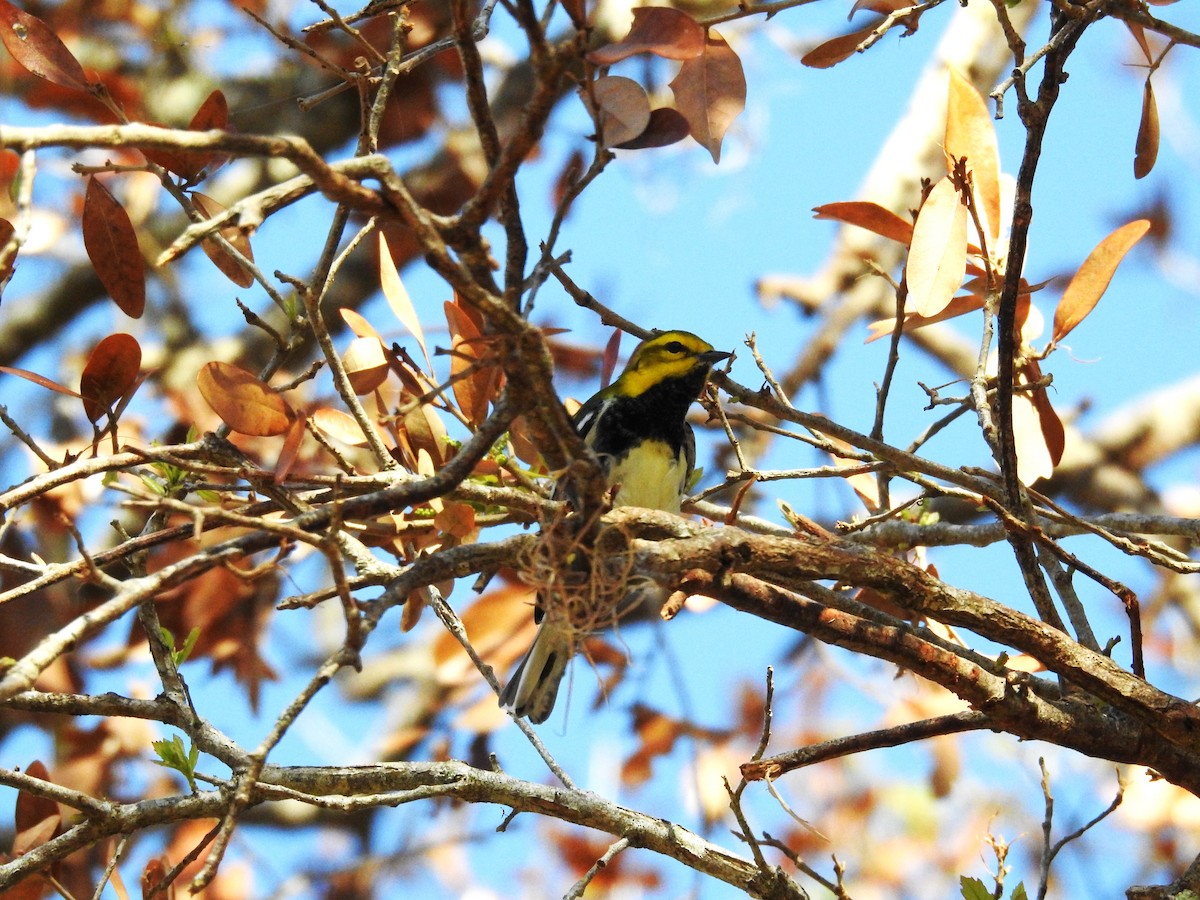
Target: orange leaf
column 111, row 370
column 244, row 403
column 1091, row 281
column 397, row 297
column 660, row 30
column 230, row 267
column 870, row 216
column 622, row 109
column 38, row 49
column 366, row 364
column 969, row 133
column 835, row 50
column 710, row 92
column 112, row 246
column 1146, row 148
column 937, row 258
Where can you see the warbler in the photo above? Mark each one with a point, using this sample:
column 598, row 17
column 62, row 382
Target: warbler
column 637, row 427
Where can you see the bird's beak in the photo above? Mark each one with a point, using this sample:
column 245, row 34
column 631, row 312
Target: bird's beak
column 713, row 356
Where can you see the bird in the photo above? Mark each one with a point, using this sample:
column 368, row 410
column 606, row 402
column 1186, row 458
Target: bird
column 638, row 429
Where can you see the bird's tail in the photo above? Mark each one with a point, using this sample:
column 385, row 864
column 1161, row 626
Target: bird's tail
column 533, row 687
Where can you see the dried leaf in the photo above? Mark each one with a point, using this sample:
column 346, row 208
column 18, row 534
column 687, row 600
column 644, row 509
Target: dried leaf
column 1091, row 281
column 622, row 109
column 36, row 818
column 366, row 364
column 937, row 258
column 883, row 7
column 577, row 11
column 112, row 246
column 870, row 216
column 244, row 403
column 338, row 425
column 710, row 92
column 290, row 450
column 835, row 50
column 152, row 878
column 195, row 165
column 110, row 373
column 230, row 267
column 659, row 30
column 1037, row 431
column 1146, row 147
column 969, row 133
column 38, row 49
column 39, row 380
column 397, row 297
column 608, row 363
column 667, row 126
column 1139, row 35
column 959, row 306
column 476, row 390
column 359, row 325
column 456, row 518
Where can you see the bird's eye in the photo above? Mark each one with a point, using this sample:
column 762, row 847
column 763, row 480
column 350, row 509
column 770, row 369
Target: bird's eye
column 675, row 347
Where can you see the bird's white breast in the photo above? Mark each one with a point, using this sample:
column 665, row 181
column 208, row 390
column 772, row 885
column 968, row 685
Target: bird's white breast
column 650, row 475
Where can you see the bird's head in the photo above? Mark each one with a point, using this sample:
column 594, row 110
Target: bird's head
column 671, row 354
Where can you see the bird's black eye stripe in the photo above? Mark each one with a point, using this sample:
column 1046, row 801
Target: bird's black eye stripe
column 675, row 347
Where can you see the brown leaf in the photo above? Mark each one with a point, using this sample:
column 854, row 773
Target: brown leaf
column 870, row 216
column 230, row 267
column 959, row 306
column 366, row 364
column 577, row 11
column 969, row 133
column 660, row 30
column 1139, row 35
column 195, row 165
column 710, row 92
column 467, row 352
column 358, row 324
column 937, row 258
column 667, row 126
column 290, row 450
column 456, row 518
column 1146, row 147
column 39, row 380
column 244, row 403
column 608, row 363
column 36, row 818
column 835, row 50
column 1037, row 431
column 38, row 49
column 111, row 371
column 1091, row 281
column 397, row 297
column 112, row 246
column 622, row 109
column 340, row 426
column 152, row 878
